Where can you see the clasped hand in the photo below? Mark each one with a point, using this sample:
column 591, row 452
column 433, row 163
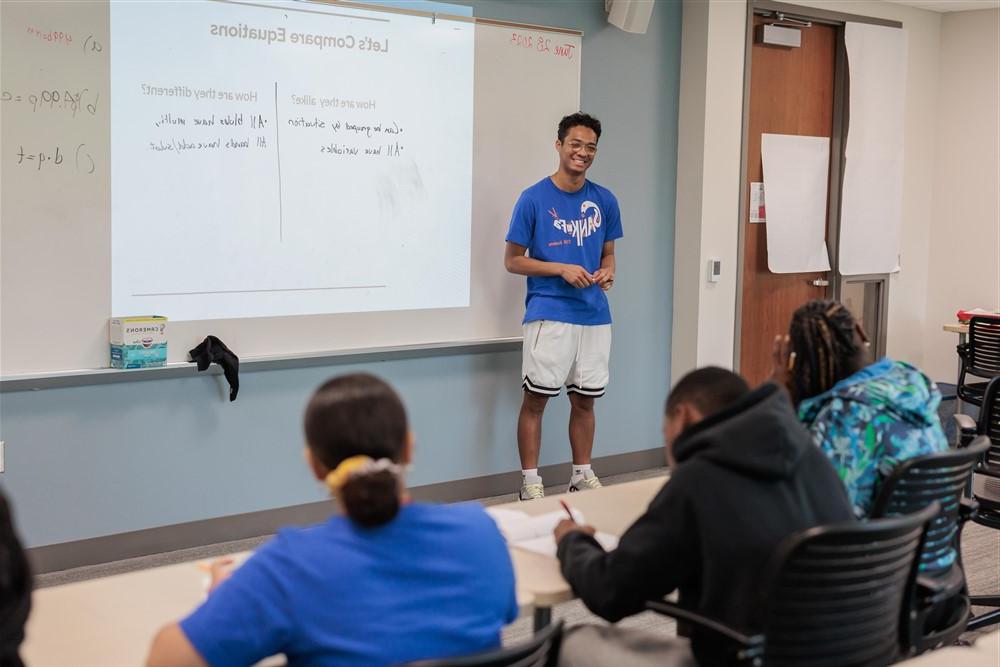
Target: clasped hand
column 577, row 276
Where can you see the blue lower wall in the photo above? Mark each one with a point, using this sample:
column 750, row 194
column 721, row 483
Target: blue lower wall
column 98, row 460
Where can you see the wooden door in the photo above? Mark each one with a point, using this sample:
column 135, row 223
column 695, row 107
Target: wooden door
column 791, row 92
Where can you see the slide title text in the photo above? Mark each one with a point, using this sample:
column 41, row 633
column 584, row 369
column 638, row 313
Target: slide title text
column 282, row 36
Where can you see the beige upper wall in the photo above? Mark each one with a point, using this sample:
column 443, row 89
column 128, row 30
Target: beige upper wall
column 913, row 321
column 965, row 234
column 690, row 171
column 708, row 181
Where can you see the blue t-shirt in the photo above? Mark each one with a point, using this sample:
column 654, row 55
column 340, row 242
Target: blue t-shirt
column 436, row 581
column 570, row 228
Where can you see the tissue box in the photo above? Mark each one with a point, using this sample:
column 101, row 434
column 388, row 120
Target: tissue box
column 138, row 342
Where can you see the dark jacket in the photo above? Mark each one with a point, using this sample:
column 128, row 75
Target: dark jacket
column 747, row 477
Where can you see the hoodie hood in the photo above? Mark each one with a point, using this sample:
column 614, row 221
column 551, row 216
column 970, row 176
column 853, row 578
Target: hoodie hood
column 758, row 435
column 893, row 387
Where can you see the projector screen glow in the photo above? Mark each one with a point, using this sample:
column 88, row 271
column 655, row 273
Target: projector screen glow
column 275, row 159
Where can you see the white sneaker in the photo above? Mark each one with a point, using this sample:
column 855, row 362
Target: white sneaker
column 588, row 480
column 531, row 491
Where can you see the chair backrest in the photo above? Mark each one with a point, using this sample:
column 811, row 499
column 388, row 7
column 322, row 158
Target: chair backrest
column 541, row 651
column 984, row 347
column 836, row 593
column 915, row 483
column 989, row 421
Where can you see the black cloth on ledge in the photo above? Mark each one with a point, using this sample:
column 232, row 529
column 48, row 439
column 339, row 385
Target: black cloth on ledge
column 212, row 350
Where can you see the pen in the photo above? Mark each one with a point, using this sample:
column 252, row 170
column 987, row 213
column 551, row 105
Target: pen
column 568, row 511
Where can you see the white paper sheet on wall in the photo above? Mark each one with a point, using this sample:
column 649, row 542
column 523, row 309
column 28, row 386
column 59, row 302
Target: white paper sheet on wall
column 796, row 173
column 872, row 203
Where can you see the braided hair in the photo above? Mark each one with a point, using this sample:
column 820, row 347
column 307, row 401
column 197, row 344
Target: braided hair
column 826, row 350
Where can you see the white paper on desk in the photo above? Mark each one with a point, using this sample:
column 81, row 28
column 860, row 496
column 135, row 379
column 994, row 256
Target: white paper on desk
column 546, row 545
column 872, row 204
column 520, row 526
column 796, row 173
column 535, row 533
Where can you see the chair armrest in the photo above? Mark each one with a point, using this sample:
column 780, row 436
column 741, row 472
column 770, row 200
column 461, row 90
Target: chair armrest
column 930, row 591
column 967, row 508
column 965, row 423
column 962, row 350
column 749, row 647
column 966, row 429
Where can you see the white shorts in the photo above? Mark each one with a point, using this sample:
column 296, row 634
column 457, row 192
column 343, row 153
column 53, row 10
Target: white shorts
column 558, row 353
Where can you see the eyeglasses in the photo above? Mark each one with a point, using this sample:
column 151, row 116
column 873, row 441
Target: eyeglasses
column 590, row 149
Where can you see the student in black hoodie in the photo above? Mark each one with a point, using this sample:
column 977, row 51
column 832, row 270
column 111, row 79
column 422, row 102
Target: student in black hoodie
column 744, row 475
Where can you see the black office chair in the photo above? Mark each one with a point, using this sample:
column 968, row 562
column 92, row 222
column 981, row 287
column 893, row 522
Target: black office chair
column 986, row 483
column 832, row 596
column 941, row 605
column 541, row 651
column 980, row 357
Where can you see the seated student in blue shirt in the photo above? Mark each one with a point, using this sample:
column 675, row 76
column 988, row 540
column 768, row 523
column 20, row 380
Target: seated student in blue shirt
column 391, row 582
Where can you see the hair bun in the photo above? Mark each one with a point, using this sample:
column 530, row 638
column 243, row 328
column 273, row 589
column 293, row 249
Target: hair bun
column 355, row 427
column 371, row 498
column 368, row 489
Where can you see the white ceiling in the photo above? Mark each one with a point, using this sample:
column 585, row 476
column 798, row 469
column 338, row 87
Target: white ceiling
column 950, row 5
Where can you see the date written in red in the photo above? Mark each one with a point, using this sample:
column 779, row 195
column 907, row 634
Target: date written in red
column 51, row 35
column 90, row 45
column 542, row 44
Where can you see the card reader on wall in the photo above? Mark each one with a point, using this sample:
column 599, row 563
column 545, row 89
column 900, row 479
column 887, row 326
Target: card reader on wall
column 714, row 270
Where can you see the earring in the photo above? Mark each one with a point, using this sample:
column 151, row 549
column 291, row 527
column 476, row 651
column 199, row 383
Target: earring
column 791, row 360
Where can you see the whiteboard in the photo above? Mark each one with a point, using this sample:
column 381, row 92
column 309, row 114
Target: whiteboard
column 55, row 197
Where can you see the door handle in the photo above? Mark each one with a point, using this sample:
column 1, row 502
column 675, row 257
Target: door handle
column 820, row 282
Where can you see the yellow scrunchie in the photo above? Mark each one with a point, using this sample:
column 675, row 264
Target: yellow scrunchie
column 337, row 477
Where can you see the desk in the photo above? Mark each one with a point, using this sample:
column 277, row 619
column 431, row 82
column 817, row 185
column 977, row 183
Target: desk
column 611, row 509
column 108, row 622
column 111, row 622
column 985, row 652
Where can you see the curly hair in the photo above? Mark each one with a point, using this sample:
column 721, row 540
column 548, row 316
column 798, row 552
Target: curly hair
column 575, row 120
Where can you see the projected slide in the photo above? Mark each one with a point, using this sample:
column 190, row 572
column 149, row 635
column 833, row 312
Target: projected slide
column 274, row 159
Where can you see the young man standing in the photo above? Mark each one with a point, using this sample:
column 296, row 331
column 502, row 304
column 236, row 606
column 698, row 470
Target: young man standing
column 568, row 226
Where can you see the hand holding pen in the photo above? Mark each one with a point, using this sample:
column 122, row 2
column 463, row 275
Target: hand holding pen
column 570, row 525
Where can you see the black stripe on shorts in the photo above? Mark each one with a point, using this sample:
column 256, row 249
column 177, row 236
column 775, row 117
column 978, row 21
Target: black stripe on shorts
column 538, row 389
column 585, row 391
